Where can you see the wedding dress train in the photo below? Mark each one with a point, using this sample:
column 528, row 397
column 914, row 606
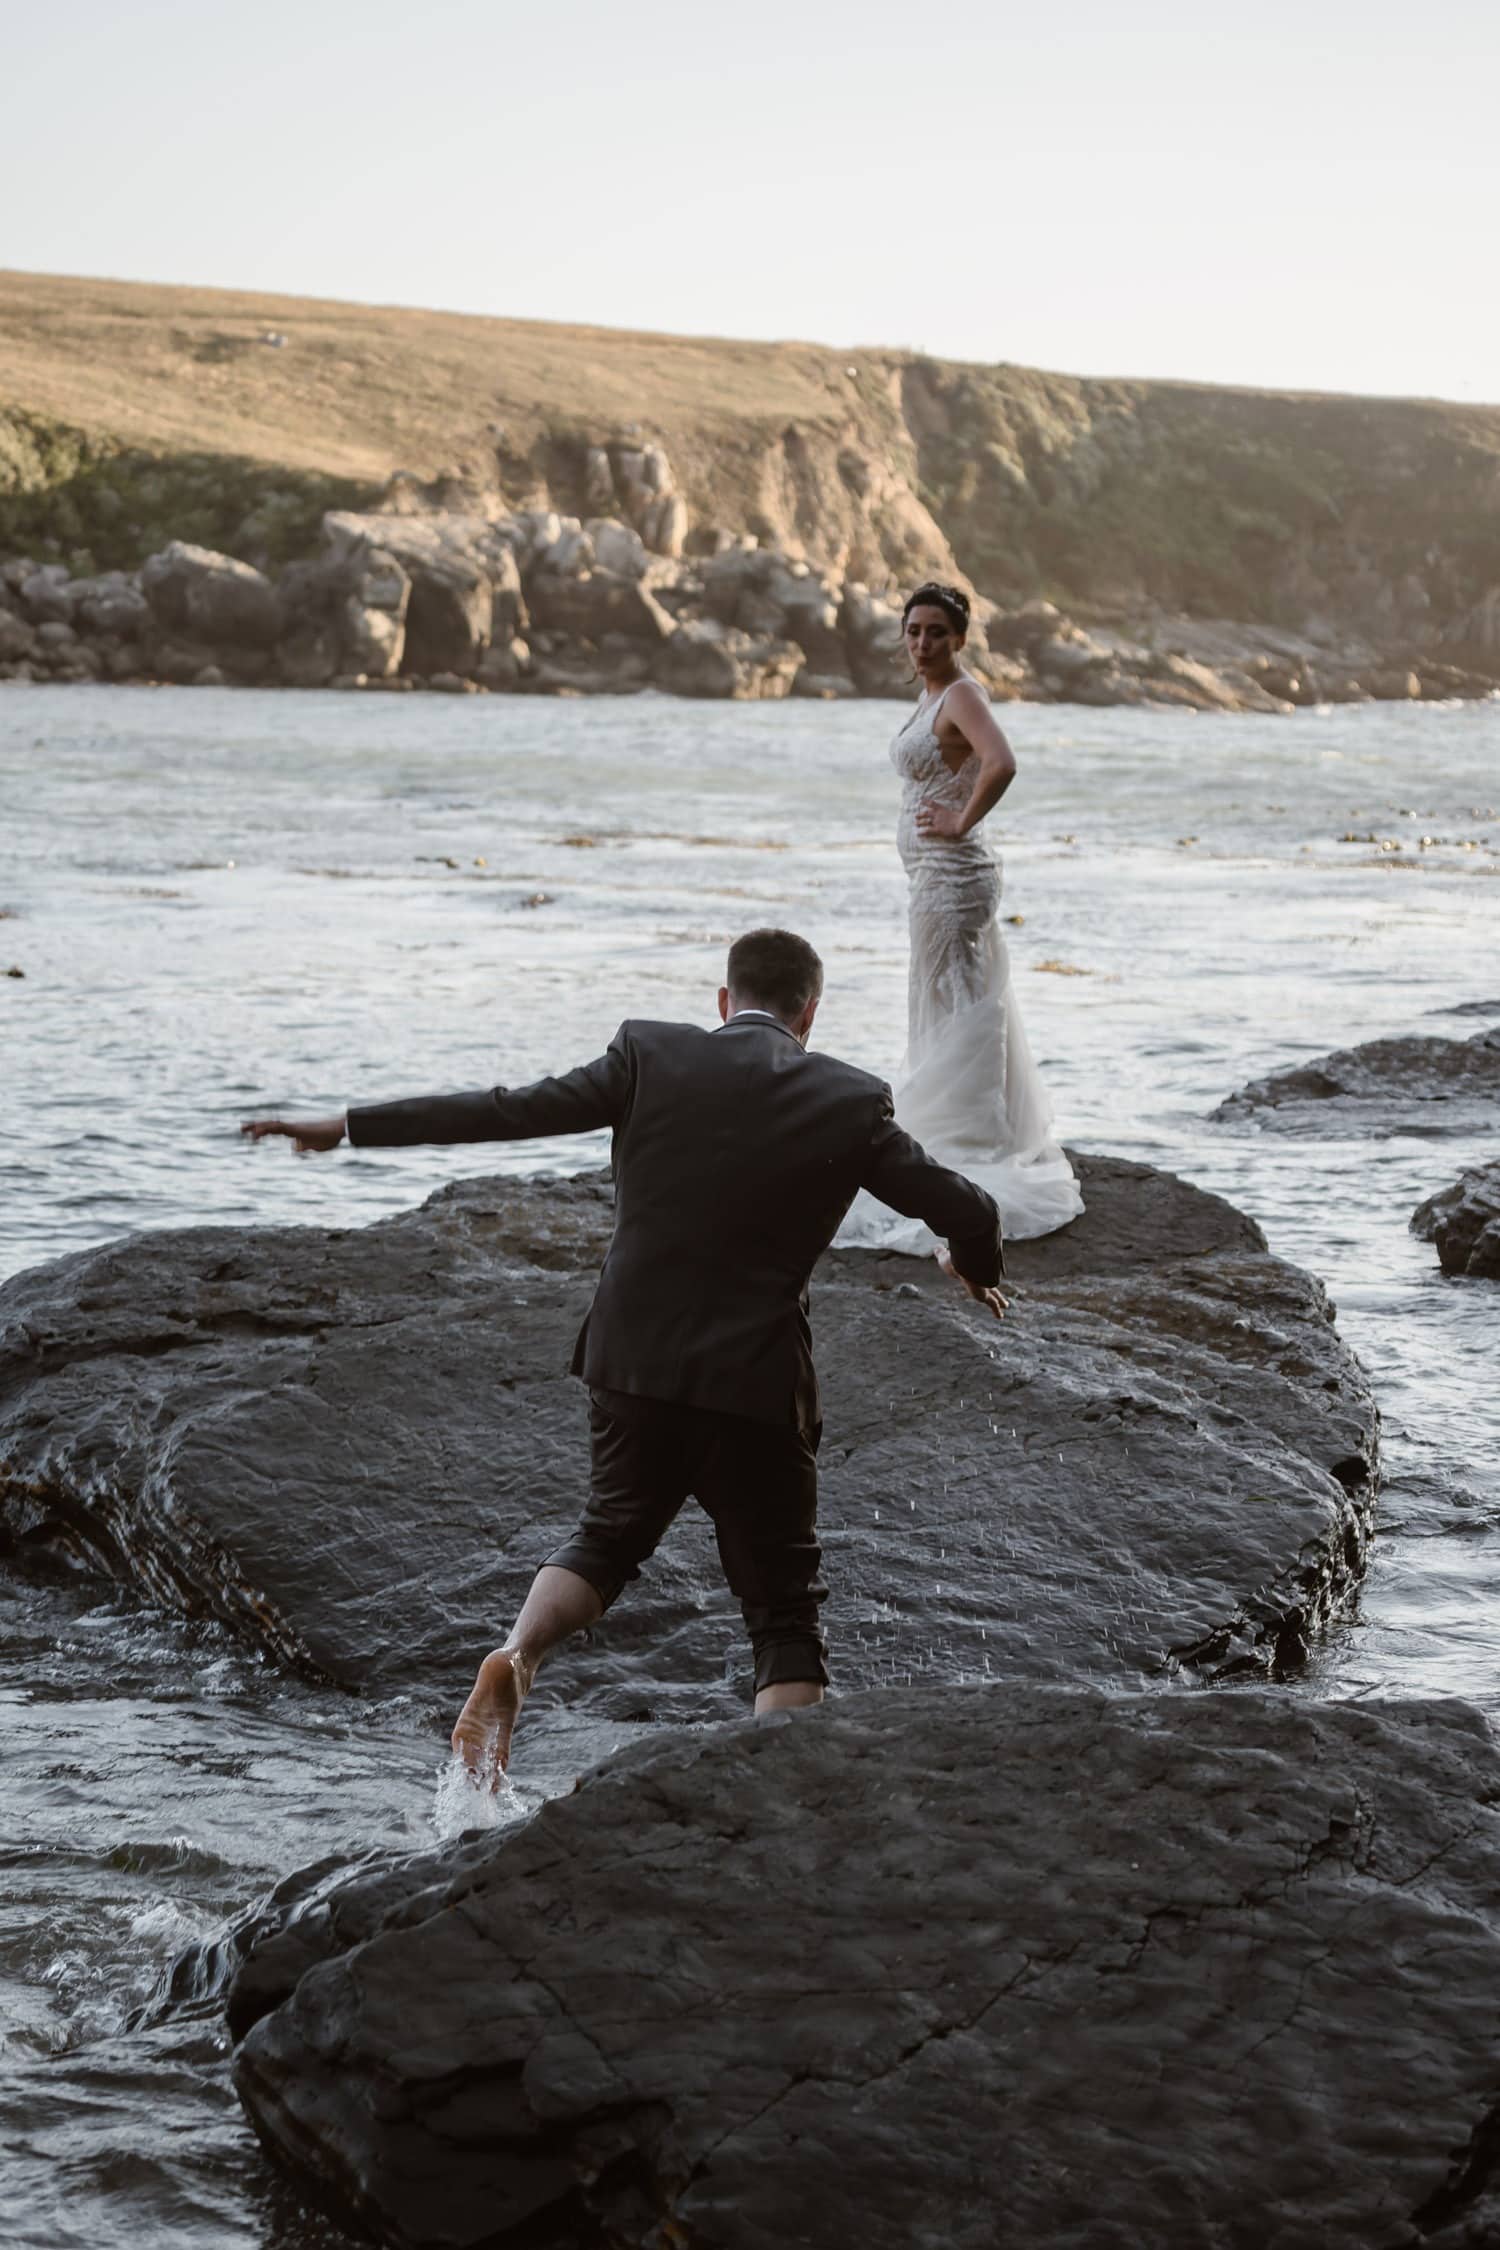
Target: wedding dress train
column 968, row 1089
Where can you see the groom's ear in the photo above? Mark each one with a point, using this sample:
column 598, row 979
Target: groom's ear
column 723, row 1003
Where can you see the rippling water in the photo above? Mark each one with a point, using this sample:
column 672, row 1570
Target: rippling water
column 228, row 902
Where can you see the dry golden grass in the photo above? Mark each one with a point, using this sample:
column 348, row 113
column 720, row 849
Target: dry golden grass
column 361, row 390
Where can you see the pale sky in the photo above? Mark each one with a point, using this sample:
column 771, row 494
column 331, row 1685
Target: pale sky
column 1301, row 195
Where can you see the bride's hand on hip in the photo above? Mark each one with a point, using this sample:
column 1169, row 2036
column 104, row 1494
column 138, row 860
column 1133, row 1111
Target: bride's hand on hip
column 991, row 1299
column 940, row 820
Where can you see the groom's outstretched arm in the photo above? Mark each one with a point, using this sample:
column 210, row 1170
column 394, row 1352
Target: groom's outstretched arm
column 900, row 1173
column 597, row 1093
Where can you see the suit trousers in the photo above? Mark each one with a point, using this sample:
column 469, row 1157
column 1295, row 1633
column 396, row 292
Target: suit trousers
column 756, row 1481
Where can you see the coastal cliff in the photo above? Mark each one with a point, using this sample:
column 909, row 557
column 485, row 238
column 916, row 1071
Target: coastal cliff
column 1126, row 541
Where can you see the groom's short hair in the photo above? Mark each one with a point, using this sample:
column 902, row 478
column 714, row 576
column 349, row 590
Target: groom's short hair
column 775, row 970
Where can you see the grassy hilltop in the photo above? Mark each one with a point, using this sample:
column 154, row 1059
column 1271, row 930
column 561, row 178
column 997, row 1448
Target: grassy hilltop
column 131, row 414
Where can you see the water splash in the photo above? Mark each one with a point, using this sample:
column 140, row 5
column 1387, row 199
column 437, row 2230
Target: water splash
column 457, row 1805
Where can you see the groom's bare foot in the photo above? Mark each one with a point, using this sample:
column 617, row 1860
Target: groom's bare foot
column 487, row 1720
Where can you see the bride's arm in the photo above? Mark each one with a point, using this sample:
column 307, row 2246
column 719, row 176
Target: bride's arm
column 972, row 716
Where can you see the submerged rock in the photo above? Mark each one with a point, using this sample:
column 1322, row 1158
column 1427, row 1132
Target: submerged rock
column 1413, row 1084
column 984, row 1968
column 1464, row 1222
column 356, row 1446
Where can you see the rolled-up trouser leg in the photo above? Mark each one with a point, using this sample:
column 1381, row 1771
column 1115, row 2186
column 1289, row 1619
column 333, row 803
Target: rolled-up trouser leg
column 759, row 1483
column 638, row 1481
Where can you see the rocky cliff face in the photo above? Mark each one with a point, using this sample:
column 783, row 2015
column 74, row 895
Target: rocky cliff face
column 1351, row 542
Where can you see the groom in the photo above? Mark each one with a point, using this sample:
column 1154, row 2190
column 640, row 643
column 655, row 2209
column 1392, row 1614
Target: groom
column 736, row 1154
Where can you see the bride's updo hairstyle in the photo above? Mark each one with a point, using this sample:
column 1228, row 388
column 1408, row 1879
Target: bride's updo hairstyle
column 951, row 600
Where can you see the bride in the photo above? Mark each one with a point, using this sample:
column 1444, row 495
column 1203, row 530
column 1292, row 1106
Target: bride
column 968, row 1089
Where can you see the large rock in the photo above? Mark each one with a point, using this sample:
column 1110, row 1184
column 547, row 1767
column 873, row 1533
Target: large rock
column 1464, row 1222
column 111, row 606
column 705, row 658
column 46, row 594
column 198, row 598
column 617, row 548
column 355, row 1447
column 1413, row 1084
column 591, row 603
column 464, row 586
column 974, row 1969
column 17, row 638
column 870, row 627
column 345, row 611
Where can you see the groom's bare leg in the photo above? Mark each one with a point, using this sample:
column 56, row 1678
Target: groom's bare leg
column 787, row 1695
column 559, row 1604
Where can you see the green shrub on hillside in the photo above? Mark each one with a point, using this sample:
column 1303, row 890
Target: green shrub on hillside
column 87, row 500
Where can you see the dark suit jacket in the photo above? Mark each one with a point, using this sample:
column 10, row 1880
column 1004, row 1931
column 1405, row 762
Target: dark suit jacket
column 736, row 1154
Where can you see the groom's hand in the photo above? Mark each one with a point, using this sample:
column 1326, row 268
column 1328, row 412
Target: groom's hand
column 991, row 1299
column 310, row 1136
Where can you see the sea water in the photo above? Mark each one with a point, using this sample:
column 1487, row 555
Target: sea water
column 225, row 904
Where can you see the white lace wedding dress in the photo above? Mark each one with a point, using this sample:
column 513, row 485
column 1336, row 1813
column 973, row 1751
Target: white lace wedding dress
column 968, row 1089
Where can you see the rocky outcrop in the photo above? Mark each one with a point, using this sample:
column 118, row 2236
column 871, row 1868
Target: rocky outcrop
column 988, row 1967
column 1405, row 1085
column 1358, row 538
column 534, row 601
column 208, row 613
column 1164, row 1460
column 705, row 658
column 1464, row 1222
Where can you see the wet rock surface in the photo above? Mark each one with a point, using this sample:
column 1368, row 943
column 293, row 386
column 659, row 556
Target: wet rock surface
column 977, row 1968
column 1464, row 1222
column 356, row 1447
column 1413, row 1084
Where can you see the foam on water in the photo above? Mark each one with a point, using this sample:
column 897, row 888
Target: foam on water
column 459, row 1804
column 1228, row 886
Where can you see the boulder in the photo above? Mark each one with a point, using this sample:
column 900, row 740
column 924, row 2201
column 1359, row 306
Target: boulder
column 209, row 599
column 1412, row 1084
column 46, row 595
column 310, row 656
column 1062, row 656
column 823, row 687
column 503, row 665
column 375, row 609
column 571, row 551
column 1464, row 1222
column 871, row 630
column 983, row 1968
column 1023, row 631
column 1163, row 1460
column 178, row 661
column 587, row 606
column 617, row 666
column 18, row 639
column 598, row 481
column 705, row 658
column 112, row 607
column 1180, row 679
column 460, row 572
column 1396, row 684
column 664, row 525
column 617, row 549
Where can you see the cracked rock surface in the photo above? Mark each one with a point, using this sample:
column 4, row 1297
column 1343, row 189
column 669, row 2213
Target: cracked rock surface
column 1416, row 1084
column 974, row 1969
column 357, row 1446
column 1464, row 1222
